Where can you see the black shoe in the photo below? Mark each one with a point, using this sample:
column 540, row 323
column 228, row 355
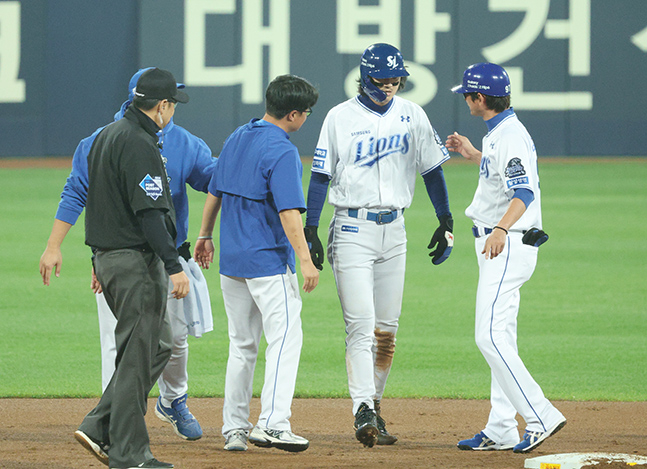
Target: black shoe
column 98, row 449
column 366, row 430
column 152, row 464
column 383, row 437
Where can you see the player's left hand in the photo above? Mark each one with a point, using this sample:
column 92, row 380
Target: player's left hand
column 442, row 240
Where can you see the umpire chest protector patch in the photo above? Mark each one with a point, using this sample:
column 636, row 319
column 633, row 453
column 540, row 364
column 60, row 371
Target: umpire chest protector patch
column 152, row 186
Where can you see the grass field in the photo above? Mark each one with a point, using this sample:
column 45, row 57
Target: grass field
column 582, row 326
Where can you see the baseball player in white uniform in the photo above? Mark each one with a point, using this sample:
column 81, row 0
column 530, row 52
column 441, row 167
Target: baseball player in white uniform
column 369, row 151
column 506, row 212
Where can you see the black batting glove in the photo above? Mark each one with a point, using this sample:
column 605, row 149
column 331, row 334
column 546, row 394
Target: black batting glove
column 316, row 249
column 442, row 240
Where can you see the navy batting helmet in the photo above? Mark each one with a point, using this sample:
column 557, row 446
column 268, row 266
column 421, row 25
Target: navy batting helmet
column 485, row 78
column 380, row 61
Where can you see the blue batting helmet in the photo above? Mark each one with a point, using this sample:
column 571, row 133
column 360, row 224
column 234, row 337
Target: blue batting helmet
column 380, row 61
column 485, row 78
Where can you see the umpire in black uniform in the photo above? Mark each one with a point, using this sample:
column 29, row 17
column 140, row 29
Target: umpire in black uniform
column 130, row 226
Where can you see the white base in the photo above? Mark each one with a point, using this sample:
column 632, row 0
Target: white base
column 577, row 460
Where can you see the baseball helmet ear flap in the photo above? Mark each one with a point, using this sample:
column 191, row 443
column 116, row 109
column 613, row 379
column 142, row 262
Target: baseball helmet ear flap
column 380, row 61
column 485, row 78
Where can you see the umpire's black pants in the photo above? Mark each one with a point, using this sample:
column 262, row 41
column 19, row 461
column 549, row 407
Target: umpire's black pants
column 135, row 286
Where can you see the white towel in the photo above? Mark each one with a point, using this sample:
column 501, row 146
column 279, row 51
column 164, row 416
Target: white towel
column 197, row 304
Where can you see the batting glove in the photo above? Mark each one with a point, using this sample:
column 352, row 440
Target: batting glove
column 534, row 237
column 316, row 249
column 442, row 240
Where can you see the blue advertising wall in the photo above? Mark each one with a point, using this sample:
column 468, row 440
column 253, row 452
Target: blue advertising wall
column 576, row 65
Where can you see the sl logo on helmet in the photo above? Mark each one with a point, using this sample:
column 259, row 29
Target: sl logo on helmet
column 392, row 61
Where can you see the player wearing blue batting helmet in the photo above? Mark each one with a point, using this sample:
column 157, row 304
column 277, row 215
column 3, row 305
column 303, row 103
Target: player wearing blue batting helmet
column 380, row 61
column 485, row 78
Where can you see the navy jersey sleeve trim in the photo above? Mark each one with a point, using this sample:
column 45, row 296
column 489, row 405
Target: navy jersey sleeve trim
column 317, row 190
column 525, row 195
column 437, row 190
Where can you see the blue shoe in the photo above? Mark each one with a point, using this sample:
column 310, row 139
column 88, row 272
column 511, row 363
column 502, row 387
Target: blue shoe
column 533, row 439
column 481, row 442
column 178, row 415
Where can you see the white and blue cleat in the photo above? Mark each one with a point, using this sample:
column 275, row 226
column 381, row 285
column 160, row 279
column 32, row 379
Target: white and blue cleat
column 178, row 415
column 481, row 442
column 533, row 439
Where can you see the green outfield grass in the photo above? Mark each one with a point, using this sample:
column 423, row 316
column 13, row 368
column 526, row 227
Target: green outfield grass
column 582, row 325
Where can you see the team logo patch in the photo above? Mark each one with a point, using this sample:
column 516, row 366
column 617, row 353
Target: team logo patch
column 514, row 168
column 152, row 186
column 318, row 164
column 350, row 228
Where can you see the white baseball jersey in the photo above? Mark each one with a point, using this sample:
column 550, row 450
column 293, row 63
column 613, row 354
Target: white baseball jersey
column 509, row 162
column 369, row 155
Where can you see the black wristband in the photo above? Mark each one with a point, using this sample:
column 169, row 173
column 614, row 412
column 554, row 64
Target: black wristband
column 501, row 228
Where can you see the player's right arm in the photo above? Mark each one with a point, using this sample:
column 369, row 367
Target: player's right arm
column 52, row 257
column 461, row 144
column 70, row 207
column 320, row 177
column 204, row 249
column 293, row 227
column 316, row 197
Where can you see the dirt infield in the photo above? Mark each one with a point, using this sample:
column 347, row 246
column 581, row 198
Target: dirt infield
column 37, row 433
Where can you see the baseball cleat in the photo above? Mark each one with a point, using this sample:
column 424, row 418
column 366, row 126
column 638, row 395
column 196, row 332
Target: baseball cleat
column 481, row 442
column 178, row 415
column 383, row 437
column 280, row 439
column 236, row 441
column 366, row 430
column 98, row 449
column 533, row 439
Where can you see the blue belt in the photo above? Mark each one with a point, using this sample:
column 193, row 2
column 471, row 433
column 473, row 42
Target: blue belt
column 381, row 218
column 478, row 231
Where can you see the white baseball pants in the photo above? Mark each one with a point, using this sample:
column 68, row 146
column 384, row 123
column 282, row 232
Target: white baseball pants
column 269, row 305
column 173, row 382
column 368, row 261
column 513, row 389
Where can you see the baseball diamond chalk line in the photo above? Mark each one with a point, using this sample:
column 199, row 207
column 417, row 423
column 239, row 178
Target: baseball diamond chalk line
column 577, row 460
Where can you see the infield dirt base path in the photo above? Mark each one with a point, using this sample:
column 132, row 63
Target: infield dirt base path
column 37, row 433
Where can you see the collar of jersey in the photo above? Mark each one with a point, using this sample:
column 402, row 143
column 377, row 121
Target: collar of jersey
column 120, row 113
column 371, row 106
column 496, row 120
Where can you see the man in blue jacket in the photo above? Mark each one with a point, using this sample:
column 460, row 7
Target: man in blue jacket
column 188, row 160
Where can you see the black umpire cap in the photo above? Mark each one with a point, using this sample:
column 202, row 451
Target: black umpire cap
column 159, row 84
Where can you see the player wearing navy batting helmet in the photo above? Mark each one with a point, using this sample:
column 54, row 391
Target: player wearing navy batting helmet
column 369, row 151
column 506, row 212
